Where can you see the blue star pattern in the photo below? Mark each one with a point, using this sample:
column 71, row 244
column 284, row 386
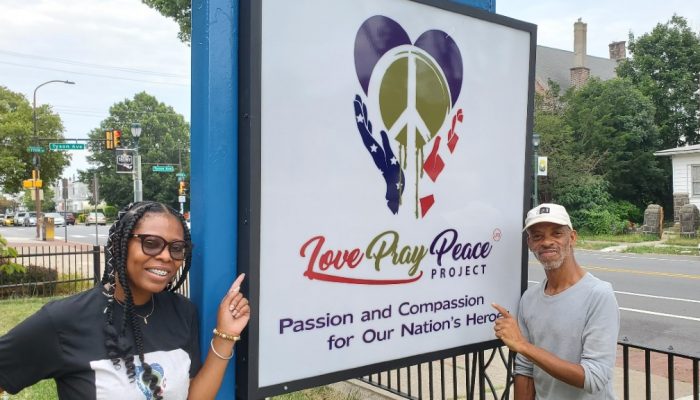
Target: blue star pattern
column 382, row 155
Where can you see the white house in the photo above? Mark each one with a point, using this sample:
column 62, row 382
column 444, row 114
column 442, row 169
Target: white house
column 685, row 163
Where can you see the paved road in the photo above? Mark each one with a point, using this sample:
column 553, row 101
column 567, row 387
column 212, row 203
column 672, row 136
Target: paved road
column 76, row 233
column 659, row 296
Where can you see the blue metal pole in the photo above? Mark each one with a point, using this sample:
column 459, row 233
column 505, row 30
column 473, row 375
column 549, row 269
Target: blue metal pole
column 487, row 5
column 214, row 180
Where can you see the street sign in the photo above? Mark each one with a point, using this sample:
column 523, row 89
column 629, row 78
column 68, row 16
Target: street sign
column 66, row 146
column 36, row 149
column 125, row 161
column 181, row 199
column 181, row 175
column 163, row 168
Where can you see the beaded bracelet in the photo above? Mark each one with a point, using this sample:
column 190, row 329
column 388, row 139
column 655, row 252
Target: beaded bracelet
column 226, row 336
column 211, row 344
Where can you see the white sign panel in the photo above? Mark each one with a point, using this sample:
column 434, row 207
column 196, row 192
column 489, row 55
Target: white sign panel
column 392, row 141
column 542, row 166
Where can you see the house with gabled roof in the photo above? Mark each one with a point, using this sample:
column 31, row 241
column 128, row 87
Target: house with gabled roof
column 573, row 68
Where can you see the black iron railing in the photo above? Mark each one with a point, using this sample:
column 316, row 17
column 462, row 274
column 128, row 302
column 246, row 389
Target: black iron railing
column 488, row 375
column 57, row 270
column 53, row 270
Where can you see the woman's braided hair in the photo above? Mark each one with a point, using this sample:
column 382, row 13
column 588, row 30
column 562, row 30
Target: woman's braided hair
column 116, row 343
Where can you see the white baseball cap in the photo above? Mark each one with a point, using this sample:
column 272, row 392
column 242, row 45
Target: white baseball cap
column 548, row 212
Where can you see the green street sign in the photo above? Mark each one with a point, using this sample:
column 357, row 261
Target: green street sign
column 35, row 149
column 181, row 175
column 66, row 146
column 163, row 168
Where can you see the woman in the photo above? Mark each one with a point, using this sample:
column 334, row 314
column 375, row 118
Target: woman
column 132, row 337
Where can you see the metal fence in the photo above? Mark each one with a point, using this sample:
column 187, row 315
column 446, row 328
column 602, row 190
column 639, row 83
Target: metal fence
column 58, row 270
column 53, row 270
column 488, row 375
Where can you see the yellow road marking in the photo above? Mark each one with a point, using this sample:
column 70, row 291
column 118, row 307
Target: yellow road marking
column 634, row 271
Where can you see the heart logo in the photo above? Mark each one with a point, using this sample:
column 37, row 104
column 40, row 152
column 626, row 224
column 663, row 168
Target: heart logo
column 157, row 372
column 415, row 86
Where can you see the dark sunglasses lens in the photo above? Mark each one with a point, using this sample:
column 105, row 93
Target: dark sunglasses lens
column 178, row 250
column 152, row 245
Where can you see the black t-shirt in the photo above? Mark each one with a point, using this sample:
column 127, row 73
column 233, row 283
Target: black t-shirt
column 65, row 340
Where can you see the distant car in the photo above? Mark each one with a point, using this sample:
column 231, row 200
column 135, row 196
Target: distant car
column 70, row 218
column 30, row 219
column 8, row 220
column 58, row 219
column 19, row 218
column 99, row 219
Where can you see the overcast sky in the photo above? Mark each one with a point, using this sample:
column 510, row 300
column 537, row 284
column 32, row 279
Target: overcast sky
column 114, row 49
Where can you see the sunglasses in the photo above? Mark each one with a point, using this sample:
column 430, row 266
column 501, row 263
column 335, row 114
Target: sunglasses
column 153, row 245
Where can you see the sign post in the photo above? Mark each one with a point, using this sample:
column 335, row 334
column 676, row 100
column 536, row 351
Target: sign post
column 66, row 146
column 163, row 168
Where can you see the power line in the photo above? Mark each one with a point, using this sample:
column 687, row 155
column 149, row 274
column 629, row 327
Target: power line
column 91, row 65
column 94, row 75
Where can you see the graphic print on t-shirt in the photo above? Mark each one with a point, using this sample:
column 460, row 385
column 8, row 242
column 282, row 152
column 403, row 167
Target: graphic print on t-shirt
column 157, row 371
column 170, row 367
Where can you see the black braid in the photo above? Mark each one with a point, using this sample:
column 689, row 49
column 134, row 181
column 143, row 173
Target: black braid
column 116, row 253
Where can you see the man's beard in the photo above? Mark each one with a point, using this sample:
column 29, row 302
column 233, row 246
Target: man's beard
column 550, row 265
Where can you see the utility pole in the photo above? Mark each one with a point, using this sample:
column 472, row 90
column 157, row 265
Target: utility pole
column 37, row 158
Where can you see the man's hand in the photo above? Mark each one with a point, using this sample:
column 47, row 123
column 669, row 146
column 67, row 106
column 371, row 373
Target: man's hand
column 506, row 329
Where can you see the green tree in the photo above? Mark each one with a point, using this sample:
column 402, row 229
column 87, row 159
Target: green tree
column 47, row 204
column 179, row 10
column 665, row 65
column 570, row 178
column 165, row 136
column 612, row 121
column 17, row 133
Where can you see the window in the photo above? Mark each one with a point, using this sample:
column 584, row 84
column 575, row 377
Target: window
column 695, row 178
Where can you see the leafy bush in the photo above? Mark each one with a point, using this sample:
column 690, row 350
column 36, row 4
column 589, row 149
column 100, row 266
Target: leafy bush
column 600, row 221
column 626, row 211
column 110, row 212
column 6, row 253
column 38, row 281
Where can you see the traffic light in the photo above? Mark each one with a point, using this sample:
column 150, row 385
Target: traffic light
column 183, row 188
column 117, row 139
column 109, row 142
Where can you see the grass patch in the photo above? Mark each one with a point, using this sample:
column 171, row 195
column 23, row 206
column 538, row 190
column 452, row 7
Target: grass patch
column 683, row 241
column 319, row 393
column 629, row 238
column 12, row 312
column 584, row 245
column 661, row 250
column 73, row 283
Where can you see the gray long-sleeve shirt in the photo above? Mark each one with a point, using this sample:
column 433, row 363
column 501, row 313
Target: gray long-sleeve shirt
column 579, row 325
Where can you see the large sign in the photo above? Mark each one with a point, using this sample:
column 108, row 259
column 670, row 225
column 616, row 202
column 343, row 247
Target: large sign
column 388, row 184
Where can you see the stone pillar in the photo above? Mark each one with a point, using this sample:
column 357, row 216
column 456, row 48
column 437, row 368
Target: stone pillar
column 653, row 220
column 679, row 200
column 689, row 217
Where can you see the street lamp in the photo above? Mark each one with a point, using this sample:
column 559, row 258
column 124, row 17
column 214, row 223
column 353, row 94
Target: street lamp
column 138, row 186
column 37, row 158
column 535, row 145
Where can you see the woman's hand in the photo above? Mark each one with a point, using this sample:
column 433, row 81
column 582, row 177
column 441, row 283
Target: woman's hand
column 234, row 310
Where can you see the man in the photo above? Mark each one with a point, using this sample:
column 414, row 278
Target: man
column 567, row 326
